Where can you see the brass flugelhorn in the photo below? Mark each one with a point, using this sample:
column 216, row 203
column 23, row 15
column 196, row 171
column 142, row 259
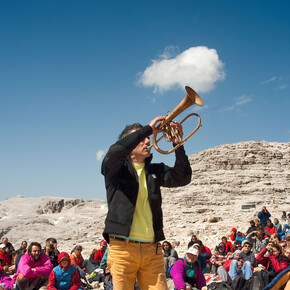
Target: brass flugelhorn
column 169, row 132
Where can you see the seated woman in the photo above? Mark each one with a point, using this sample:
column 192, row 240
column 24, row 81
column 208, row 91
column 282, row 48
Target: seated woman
column 64, row 276
column 219, row 257
column 84, row 266
column 228, row 244
column 278, row 226
column 169, row 254
column 186, row 273
column 270, row 230
column 101, row 251
column 192, row 241
column 240, row 237
column 252, row 227
column 233, row 234
column 92, row 258
column 274, row 262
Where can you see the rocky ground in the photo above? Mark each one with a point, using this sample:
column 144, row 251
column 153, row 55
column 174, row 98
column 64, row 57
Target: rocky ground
column 224, row 178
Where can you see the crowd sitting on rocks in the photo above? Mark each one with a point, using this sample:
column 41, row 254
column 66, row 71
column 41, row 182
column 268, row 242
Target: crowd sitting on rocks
column 260, row 255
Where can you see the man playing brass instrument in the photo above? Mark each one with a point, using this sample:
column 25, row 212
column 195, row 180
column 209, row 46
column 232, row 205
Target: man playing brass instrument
column 134, row 223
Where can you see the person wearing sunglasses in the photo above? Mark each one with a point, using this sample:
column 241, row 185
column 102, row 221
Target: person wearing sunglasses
column 247, row 254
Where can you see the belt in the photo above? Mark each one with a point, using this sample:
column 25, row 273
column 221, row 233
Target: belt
column 130, row 241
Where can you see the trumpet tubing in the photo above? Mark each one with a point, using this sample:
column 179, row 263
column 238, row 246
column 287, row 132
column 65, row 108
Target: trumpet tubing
column 190, row 99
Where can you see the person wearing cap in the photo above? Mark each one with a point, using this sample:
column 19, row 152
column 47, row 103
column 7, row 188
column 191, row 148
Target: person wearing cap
column 223, row 271
column 84, row 266
column 134, row 222
column 233, row 234
column 286, row 226
column 219, row 257
column 4, row 255
column 187, row 273
column 8, row 245
column 240, row 267
column 101, row 251
column 264, row 215
column 33, row 269
column 64, row 276
column 6, row 282
column 201, row 257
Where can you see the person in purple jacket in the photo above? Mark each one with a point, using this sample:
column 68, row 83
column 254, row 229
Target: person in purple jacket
column 33, row 269
column 6, row 282
column 187, row 273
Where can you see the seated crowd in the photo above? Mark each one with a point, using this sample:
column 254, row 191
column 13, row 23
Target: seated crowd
column 263, row 251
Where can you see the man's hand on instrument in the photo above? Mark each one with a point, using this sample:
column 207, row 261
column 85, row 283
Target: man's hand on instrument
column 178, row 127
column 153, row 123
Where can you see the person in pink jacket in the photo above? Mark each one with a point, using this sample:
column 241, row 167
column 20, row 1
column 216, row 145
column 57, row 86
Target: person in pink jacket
column 33, row 269
column 6, row 282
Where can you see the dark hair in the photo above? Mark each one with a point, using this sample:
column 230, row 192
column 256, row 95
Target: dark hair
column 33, row 244
column 170, row 246
column 129, row 128
column 52, row 240
column 193, row 236
column 76, row 247
column 224, row 238
column 199, row 242
column 249, row 244
column 277, row 247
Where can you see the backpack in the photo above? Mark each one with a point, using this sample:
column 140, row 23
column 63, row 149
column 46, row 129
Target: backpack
column 219, row 286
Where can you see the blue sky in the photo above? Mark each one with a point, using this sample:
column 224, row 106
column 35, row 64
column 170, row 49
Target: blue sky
column 74, row 73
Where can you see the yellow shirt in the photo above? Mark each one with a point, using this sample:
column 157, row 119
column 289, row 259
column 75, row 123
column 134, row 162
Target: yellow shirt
column 142, row 225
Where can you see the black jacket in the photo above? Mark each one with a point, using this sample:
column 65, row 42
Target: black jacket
column 122, row 185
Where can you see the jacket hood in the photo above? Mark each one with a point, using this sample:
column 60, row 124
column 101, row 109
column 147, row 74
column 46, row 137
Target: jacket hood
column 61, row 256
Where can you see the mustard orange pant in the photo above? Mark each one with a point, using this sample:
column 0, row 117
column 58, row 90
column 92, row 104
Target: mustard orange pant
column 142, row 261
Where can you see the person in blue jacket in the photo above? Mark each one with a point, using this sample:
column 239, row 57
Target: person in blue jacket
column 64, row 276
column 264, row 215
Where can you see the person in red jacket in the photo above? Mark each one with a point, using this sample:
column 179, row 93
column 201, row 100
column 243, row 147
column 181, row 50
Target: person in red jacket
column 272, row 259
column 233, row 234
column 270, row 229
column 100, row 253
column 4, row 255
column 228, row 244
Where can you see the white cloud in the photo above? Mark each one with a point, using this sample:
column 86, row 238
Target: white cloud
column 269, row 80
column 152, row 99
column 239, row 102
column 243, row 100
column 198, row 108
column 198, row 67
column 282, row 87
column 100, row 154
